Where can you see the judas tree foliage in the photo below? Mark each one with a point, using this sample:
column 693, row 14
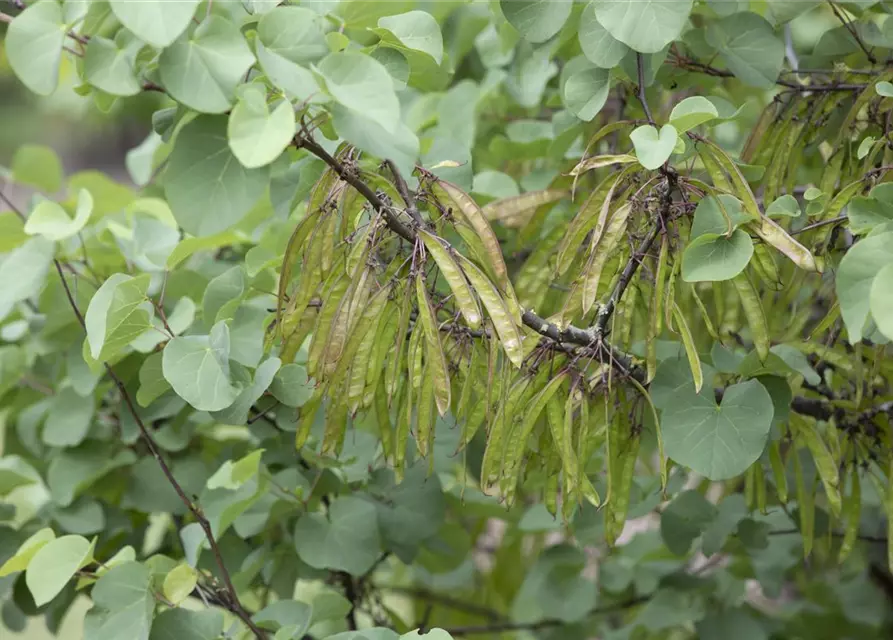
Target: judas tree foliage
column 439, row 318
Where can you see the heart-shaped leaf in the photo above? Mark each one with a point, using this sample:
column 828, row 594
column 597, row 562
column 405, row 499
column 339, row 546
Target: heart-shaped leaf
column 598, row 45
column 654, row 147
column 718, row 214
column 648, row 26
column 346, row 540
column 712, row 257
column 855, row 277
column 197, row 367
column 584, row 88
column 785, row 205
column 719, row 442
column 257, row 136
column 536, row 20
column 158, row 22
column 34, row 46
column 51, row 221
column 692, row 112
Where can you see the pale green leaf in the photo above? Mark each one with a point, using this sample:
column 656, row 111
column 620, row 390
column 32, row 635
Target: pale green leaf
column 536, row 20
column 23, row 272
column 257, row 135
column 109, row 64
column 646, row 26
column 197, row 368
column 228, row 286
column 152, row 382
column 14, row 473
column 26, row 551
column 237, row 412
column 362, row 86
column 291, row 386
column 718, row 214
column 202, row 70
column 692, row 112
column 598, row 45
column 785, row 205
column 293, row 33
column 884, row 88
column 51, row 221
column 34, row 43
column 584, row 88
column 401, row 146
column 881, row 300
column 712, row 257
column 179, row 583
column 749, row 47
column 124, row 603
column 207, row 187
column 54, row 565
column 285, row 614
column 654, row 148
column 855, row 277
column 416, row 30
column 117, row 315
column 158, row 22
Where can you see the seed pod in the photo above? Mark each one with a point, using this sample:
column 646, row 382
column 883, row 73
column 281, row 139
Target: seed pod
column 436, row 363
column 852, row 511
column 753, row 311
column 455, row 278
column 690, row 350
column 514, row 211
column 824, row 462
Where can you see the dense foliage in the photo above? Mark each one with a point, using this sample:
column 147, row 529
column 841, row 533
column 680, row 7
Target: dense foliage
column 518, row 317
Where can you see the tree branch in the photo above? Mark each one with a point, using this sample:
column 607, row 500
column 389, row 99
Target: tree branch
column 405, row 193
column 235, row 605
column 640, row 65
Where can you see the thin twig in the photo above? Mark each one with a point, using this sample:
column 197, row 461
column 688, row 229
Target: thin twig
column 640, row 65
column 405, row 193
column 820, row 223
column 235, row 605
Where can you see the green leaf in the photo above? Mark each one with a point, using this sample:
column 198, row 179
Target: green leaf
column 109, row 64
column 598, row 45
column 197, row 368
column 152, row 382
column 12, row 232
column 293, row 33
column 881, row 300
column 117, row 315
column 207, row 187
column 409, row 513
column 684, row 520
column 401, row 146
column 749, row 47
column 884, row 88
column 855, row 276
column 26, row 551
column 69, row 419
column 23, row 272
column 124, row 603
column 346, row 540
column 584, row 88
column 256, row 135
column 237, row 412
column 711, row 257
column 867, row 213
column 158, row 22
column 54, row 565
column 536, row 20
column 202, row 70
column 291, row 386
column 709, row 216
column 646, row 27
column 417, row 30
column 692, row 112
column 38, row 166
column 296, row 81
column 554, row 588
column 782, row 206
column 232, row 475
column 228, row 286
column 179, row 583
column 183, row 624
column 34, row 41
column 719, row 442
column 654, row 147
column 363, row 86
column 14, row 473
column 729, row 513
column 285, row 614
column 51, row 221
